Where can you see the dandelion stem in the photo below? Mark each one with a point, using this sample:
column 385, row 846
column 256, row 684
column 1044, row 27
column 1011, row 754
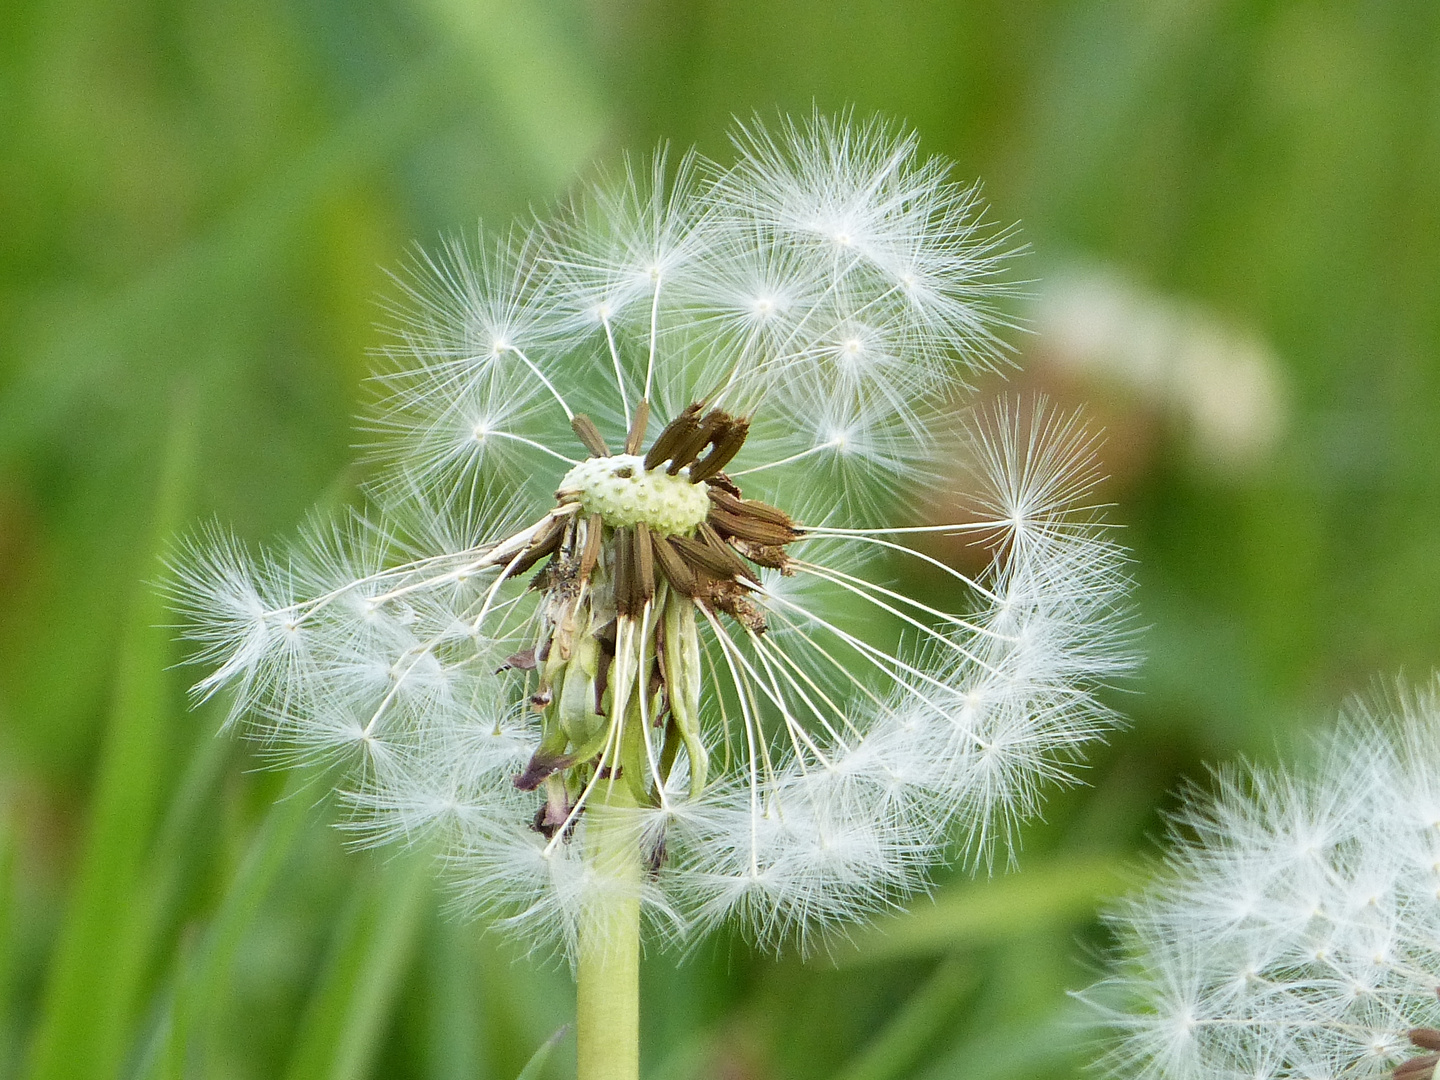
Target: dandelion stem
column 608, row 973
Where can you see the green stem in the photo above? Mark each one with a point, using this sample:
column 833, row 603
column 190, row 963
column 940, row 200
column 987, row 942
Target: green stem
column 608, row 998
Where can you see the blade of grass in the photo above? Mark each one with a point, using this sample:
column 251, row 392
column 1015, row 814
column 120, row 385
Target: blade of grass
column 524, row 73
column 177, row 1036
column 200, row 984
column 1047, row 894
column 455, row 1040
column 180, row 844
column 915, row 1025
column 537, row 81
column 9, row 1021
column 1021, row 1022
column 1028, row 1049
column 120, row 330
column 92, row 985
column 537, row 1062
column 348, row 1013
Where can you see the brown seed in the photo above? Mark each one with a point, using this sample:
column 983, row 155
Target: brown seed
column 560, row 577
column 644, row 563
column 744, row 527
column 591, row 554
column 543, row 543
column 713, row 558
column 1417, row 1068
column 750, row 507
column 623, row 551
column 680, row 576
column 730, row 598
column 678, row 430
column 703, row 435
column 638, row 423
column 588, row 434
column 1426, row 1037
column 767, row 555
column 738, row 566
column 726, row 445
column 722, row 483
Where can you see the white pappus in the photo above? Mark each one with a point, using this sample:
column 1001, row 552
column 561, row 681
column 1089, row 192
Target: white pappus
column 1294, row 931
column 647, row 471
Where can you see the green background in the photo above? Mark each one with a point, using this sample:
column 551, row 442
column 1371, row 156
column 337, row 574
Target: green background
column 198, row 199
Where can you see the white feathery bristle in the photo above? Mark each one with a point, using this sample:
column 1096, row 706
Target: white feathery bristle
column 1295, row 929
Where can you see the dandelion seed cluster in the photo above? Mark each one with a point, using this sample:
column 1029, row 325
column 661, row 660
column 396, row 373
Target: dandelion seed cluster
column 1295, row 931
column 632, row 528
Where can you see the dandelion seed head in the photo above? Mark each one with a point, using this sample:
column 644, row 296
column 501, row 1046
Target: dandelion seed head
column 648, row 473
column 1298, row 912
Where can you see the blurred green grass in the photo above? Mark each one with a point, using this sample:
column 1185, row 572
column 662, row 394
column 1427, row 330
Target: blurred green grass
column 198, row 199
